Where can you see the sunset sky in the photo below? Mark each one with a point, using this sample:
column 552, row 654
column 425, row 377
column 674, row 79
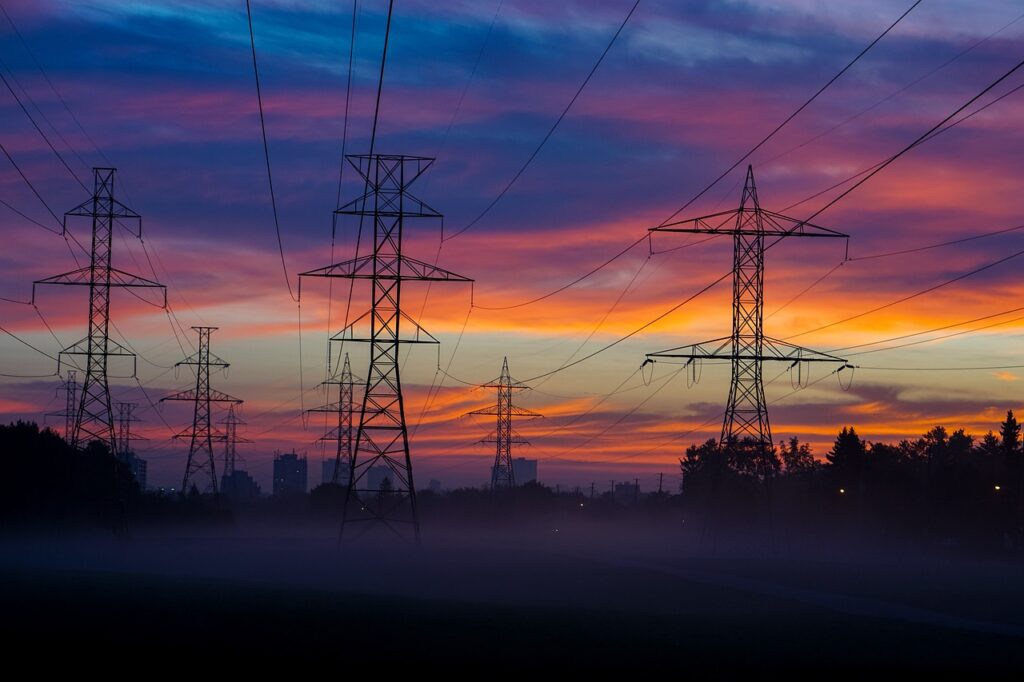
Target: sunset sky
column 166, row 92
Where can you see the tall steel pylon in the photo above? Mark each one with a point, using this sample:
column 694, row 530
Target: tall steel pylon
column 504, row 436
column 746, row 414
column 382, row 437
column 94, row 418
column 201, row 435
column 342, row 433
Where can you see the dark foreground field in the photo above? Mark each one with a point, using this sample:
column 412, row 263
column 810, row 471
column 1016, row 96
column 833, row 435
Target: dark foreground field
column 530, row 602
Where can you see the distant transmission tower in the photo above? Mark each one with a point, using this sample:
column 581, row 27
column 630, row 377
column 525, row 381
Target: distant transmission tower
column 342, row 433
column 504, row 436
column 94, row 418
column 201, row 435
column 231, row 440
column 382, row 438
column 746, row 414
column 70, row 388
column 125, row 418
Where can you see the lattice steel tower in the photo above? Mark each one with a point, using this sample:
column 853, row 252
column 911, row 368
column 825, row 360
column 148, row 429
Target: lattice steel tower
column 746, row 414
column 231, row 440
column 382, row 438
column 201, row 435
column 504, row 436
column 125, row 418
column 70, row 388
column 342, row 433
column 94, row 418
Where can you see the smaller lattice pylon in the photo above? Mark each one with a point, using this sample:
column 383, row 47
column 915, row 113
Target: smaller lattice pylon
column 231, row 439
column 70, row 388
column 342, row 433
column 125, row 418
column 201, row 434
column 504, row 436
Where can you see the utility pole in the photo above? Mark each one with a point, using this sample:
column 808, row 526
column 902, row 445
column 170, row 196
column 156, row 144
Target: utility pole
column 201, row 435
column 382, row 437
column 343, row 433
column 661, row 479
column 94, row 417
column 746, row 414
column 504, row 436
column 591, row 490
column 636, row 491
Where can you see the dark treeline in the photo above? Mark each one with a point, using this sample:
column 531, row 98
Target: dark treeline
column 944, row 488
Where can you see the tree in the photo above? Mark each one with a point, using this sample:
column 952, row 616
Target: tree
column 797, row 457
column 1009, row 433
column 848, row 453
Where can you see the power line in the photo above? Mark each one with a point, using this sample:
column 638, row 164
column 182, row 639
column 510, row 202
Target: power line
column 891, row 95
column 27, row 344
column 551, row 131
column 266, row 154
column 791, row 116
column 904, row 299
column 919, row 140
column 929, row 331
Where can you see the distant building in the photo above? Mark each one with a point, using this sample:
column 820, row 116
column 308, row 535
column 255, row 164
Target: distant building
column 376, row 477
column 239, row 486
column 137, row 466
column 327, row 471
column 290, row 474
column 524, row 470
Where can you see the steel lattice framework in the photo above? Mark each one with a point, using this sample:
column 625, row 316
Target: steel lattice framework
column 70, row 388
column 342, row 433
column 125, row 418
column 94, row 418
column 504, row 436
column 201, row 435
column 231, row 439
column 382, row 437
column 746, row 414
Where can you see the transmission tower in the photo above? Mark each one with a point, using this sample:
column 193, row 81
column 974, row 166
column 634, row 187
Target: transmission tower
column 125, row 418
column 70, row 388
column 746, row 414
column 342, row 433
column 382, row 438
column 231, row 440
column 94, row 418
column 201, row 435
column 504, row 436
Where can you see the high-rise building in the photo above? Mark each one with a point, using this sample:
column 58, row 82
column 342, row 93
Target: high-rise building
column 524, row 470
column 290, row 474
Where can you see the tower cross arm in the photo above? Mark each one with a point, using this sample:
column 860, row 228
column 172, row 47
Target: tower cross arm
column 113, row 207
column 394, row 268
column 732, row 223
column 722, row 349
column 191, row 395
column 84, row 277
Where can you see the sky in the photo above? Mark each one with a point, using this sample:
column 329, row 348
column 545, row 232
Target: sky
column 165, row 92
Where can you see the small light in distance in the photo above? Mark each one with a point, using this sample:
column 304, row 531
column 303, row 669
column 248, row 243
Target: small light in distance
column 998, row 488
column 842, row 491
